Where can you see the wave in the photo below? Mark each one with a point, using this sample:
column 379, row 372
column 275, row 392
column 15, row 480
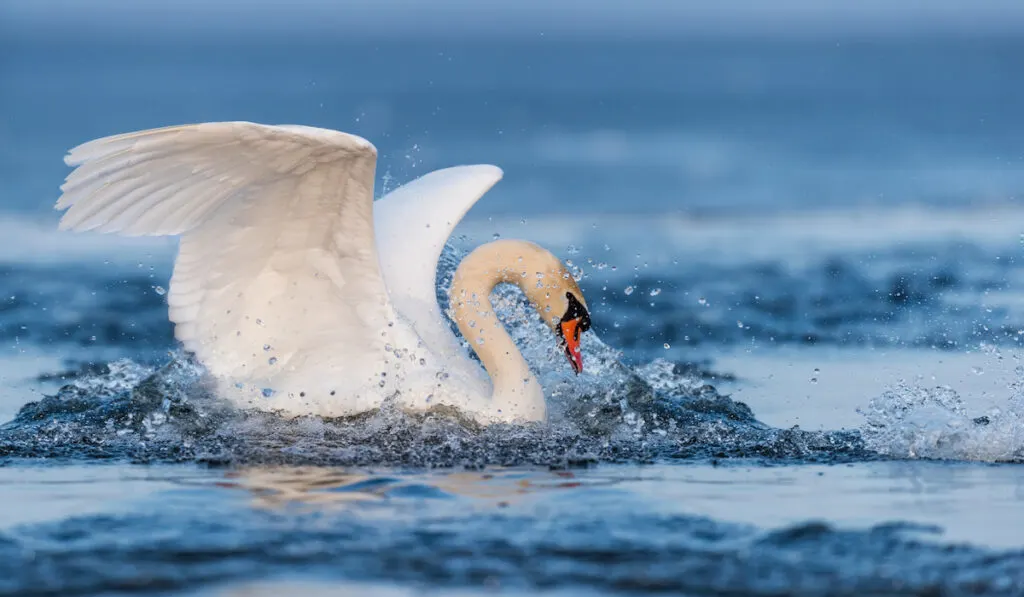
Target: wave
column 597, row 548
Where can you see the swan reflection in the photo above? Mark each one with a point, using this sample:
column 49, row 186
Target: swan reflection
column 272, row 487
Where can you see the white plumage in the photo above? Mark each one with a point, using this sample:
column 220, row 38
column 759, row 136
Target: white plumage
column 292, row 286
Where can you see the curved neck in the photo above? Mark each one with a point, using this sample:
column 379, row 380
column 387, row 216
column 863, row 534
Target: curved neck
column 512, row 262
column 470, row 301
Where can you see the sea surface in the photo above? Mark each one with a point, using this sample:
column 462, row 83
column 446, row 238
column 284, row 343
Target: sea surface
column 805, row 263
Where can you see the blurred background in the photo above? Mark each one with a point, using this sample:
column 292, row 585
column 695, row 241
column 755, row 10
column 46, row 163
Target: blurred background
column 737, row 176
column 591, row 107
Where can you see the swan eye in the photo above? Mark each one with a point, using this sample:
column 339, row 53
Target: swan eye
column 577, row 311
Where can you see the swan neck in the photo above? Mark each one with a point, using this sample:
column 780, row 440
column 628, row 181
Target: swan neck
column 474, row 314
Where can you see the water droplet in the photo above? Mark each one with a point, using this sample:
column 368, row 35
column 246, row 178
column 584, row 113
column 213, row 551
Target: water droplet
column 259, row 322
column 159, row 290
column 267, row 392
column 495, row 236
column 655, row 291
column 817, row 371
column 739, row 324
column 814, row 380
column 381, row 384
column 387, row 347
column 423, row 361
column 272, row 360
column 702, row 302
column 667, row 346
column 266, row 347
column 628, row 291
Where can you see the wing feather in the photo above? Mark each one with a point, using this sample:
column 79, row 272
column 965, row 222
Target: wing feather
column 277, row 266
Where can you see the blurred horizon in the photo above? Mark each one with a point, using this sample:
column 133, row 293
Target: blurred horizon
column 452, row 19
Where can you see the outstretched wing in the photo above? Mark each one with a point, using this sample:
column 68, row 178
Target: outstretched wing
column 413, row 224
column 277, row 258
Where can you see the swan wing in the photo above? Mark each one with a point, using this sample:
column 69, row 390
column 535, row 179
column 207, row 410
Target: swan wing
column 413, row 223
column 277, row 270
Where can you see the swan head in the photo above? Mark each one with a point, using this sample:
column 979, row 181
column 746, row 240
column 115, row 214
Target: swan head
column 575, row 321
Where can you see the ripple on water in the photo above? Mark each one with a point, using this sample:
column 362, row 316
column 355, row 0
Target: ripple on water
column 602, row 546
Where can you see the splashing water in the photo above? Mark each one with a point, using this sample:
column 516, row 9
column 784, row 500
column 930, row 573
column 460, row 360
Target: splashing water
column 916, row 422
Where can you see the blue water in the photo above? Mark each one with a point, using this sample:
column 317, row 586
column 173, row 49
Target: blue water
column 804, row 260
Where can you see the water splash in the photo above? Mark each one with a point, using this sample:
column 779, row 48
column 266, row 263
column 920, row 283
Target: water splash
column 910, row 421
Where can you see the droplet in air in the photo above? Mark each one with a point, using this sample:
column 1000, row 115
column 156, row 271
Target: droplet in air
column 259, row 322
column 159, row 290
column 628, row 291
column 495, row 236
column 272, row 360
column 267, row 392
column 667, row 346
column 266, row 347
column 655, row 291
column 814, row 380
column 739, row 324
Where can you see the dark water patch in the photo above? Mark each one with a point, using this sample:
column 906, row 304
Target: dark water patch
column 55, row 306
column 628, row 553
column 945, row 298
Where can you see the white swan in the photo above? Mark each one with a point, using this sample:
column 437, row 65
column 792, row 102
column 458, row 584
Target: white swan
column 301, row 294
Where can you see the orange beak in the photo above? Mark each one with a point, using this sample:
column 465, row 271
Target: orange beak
column 571, row 337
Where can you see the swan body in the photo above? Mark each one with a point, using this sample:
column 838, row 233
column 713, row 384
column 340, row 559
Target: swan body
column 301, row 294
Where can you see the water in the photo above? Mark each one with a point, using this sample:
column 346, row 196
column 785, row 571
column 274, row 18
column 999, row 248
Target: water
column 814, row 385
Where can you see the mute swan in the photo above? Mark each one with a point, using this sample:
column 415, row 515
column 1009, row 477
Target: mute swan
column 301, row 294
